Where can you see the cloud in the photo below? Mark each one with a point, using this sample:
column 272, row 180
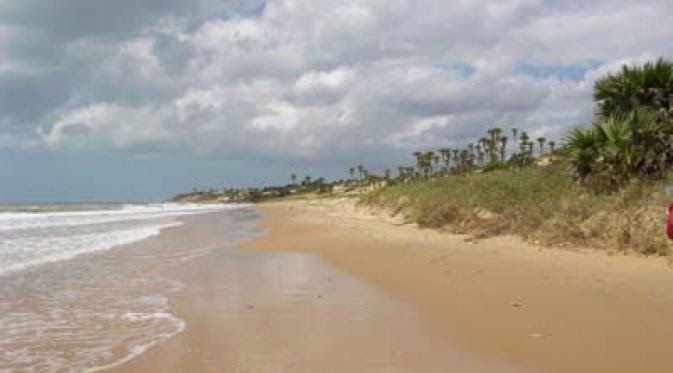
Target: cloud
column 317, row 81
column 105, row 125
column 323, row 87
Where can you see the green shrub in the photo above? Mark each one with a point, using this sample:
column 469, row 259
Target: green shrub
column 494, row 165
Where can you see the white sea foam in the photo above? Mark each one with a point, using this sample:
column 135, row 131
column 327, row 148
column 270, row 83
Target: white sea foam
column 140, row 348
column 26, row 220
column 22, row 253
column 135, row 331
column 29, row 239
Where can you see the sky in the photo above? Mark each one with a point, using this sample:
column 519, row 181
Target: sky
column 136, row 100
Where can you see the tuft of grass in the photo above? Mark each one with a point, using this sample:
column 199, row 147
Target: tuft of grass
column 537, row 203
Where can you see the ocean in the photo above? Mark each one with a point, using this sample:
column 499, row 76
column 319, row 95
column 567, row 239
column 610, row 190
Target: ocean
column 89, row 279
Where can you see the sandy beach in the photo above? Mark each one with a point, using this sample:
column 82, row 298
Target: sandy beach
column 325, row 286
column 331, row 288
column 278, row 311
column 545, row 309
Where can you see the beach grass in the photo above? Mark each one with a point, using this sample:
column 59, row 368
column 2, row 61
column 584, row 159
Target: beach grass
column 540, row 204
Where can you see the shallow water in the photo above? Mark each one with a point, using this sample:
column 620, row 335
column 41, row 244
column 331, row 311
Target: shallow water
column 73, row 299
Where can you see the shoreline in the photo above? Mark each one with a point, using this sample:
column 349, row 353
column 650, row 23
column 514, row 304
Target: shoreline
column 291, row 312
column 104, row 299
column 548, row 309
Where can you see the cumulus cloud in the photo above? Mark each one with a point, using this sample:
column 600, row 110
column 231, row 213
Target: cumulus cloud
column 108, row 125
column 319, row 80
column 323, row 87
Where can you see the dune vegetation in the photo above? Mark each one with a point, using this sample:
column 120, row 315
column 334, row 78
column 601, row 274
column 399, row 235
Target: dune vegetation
column 603, row 187
column 542, row 204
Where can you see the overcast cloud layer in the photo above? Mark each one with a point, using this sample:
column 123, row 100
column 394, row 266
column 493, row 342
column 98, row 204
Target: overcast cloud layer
column 318, row 80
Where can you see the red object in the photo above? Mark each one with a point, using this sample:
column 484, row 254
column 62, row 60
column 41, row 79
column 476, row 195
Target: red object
column 669, row 229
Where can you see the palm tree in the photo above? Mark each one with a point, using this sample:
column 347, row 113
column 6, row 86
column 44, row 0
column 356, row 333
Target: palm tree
column 480, row 155
column 386, row 174
column 427, row 160
column 541, row 141
column 465, row 159
column 491, row 133
column 584, row 149
column 456, row 157
column 523, row 145
column 492, row 147
column 446, row 156
column 494, row 133
column 435, row 160
column 649, row 85
column 552, row 145
column 491, row 140
column 293, row 178
column 524, row 137
column 419, row 160
column 352, row 172
column 401, row 172
column 515, row 136
column 615, row 149
column 503, row 148
column 361, row 171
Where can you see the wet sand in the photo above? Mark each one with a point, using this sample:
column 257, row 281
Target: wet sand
column 546, row 309
column 270, row 311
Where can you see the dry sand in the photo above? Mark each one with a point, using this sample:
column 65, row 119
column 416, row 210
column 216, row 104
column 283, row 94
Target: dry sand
column 550, row 310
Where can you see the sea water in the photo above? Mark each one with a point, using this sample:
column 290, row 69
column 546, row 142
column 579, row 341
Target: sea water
column 69, row 302
column 33, row 238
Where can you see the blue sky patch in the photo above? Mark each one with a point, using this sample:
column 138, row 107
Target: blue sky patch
column 574, row 72
column 462, row 68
